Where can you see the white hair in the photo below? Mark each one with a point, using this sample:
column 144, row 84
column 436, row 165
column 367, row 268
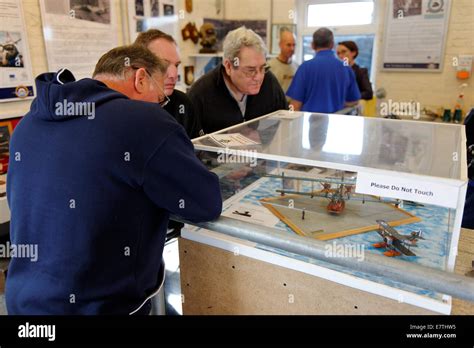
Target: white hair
column 242, row 37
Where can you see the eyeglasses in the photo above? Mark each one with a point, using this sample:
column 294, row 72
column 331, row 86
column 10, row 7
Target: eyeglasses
column 165, row 100
column 252, row 72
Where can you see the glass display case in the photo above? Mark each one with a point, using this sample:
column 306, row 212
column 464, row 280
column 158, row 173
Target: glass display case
column 363, row 185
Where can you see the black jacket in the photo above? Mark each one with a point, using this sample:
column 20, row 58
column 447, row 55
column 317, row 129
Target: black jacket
column 181, row 108
column 362, row 77
column 217, row 109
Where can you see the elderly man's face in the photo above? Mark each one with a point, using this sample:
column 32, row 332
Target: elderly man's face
column 247, row 72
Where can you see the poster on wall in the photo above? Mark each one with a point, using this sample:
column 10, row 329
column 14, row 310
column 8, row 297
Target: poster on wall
column 415, row 35
column 77, row 33
column 16, row 77
column 152, row 14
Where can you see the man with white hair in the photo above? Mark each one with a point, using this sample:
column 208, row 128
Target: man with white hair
column 239, row 90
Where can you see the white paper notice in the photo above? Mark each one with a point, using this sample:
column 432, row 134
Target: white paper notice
column 232, row 140
column 251, row 213
column 77, row 33
column 406, row 189
column 287, row 115
column 415, row 34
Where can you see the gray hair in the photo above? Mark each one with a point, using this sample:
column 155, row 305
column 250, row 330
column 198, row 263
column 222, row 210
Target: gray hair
column 117, row 62
column 242, row 37
column 323, row 38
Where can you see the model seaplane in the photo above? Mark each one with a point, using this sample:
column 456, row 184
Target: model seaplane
column 337, row 190
column 396, row 243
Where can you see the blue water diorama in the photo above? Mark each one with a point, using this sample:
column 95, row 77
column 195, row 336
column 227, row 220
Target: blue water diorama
column 436, row 224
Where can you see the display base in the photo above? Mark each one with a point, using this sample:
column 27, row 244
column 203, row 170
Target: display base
column 216, row 281
column 357, row 217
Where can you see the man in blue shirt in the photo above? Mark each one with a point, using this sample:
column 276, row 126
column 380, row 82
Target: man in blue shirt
column 323, row 84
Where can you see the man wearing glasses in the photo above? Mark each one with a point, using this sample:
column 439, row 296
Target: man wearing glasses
column 239, row 90
column 92, row 187
column 177, row 103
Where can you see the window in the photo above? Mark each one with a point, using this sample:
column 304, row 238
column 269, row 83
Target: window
column 350, row 20
column 340, row 14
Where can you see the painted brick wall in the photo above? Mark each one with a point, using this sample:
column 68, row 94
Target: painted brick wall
column 434, row 89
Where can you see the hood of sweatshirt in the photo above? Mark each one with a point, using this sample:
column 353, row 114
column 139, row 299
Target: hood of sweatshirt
column 60, row 97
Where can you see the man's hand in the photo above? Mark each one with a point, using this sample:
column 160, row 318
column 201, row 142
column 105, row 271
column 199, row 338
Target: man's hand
column 295, row 105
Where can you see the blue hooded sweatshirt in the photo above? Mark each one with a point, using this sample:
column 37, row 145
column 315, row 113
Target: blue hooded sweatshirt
column 93, row 192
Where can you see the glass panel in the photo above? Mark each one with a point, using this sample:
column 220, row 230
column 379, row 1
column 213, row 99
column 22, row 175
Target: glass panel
column 345, row 141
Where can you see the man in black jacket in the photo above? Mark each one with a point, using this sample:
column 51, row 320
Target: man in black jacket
column 178, row 104
column 239, row 90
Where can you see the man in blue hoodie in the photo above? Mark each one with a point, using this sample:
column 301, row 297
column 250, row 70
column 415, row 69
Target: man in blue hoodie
column 96, row 168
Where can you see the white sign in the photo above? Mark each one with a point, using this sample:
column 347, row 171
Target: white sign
column 251, row 213
column 407, row 189
column 77, row 33
column 415, row 35
column 232, row 140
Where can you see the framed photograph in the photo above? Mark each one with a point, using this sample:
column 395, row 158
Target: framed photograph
column 139, row 8
column 155, row 8
column 168, row 9
column 276, row 30
column 5, row 132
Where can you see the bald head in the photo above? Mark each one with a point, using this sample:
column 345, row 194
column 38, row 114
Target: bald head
column 287, row 45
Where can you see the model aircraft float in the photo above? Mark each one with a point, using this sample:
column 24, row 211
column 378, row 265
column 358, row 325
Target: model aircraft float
column 337, row 190
column 396, row 243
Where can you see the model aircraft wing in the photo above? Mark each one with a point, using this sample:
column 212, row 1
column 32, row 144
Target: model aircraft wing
column 403, row 249
column 390, row 230
column 312, row 194
column 336, row 181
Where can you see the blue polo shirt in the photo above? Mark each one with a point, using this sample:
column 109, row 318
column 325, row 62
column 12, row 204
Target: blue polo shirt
column 323, row 84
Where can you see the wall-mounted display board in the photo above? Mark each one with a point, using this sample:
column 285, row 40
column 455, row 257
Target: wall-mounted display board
column 152, row 14
column 16, row 77
column 77, row 33
column 415, row 35
column 223, row 26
